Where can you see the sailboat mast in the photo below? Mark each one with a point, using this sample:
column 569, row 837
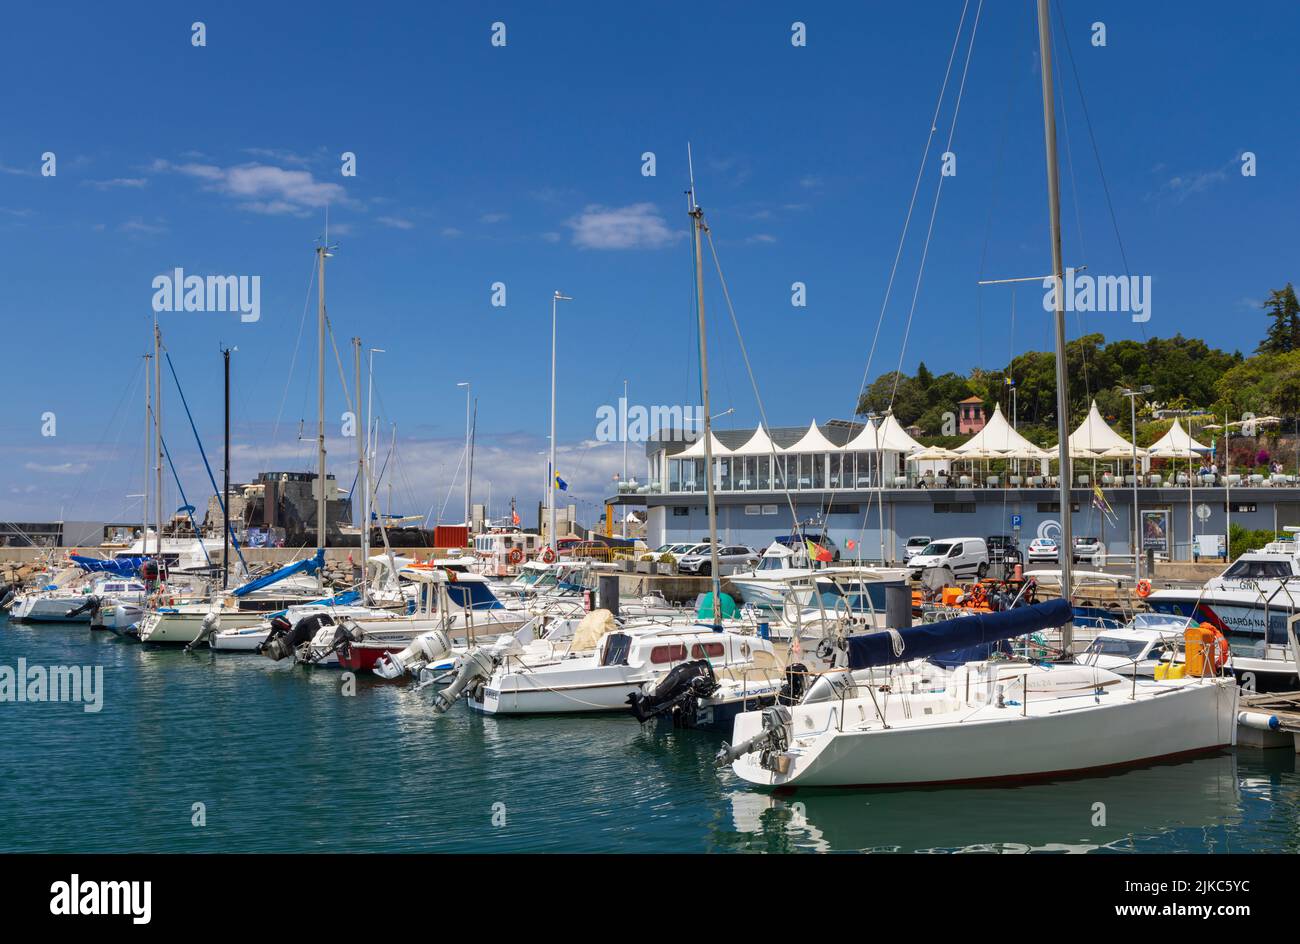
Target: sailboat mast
column 361, row 464
column 697, row 217
column 225, row 485
column 157, row 433
column 1062, row 388
column 320, row 410
column 148, row 446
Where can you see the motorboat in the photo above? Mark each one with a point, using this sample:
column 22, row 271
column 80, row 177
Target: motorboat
column 1250, row 602
column 1150, row 641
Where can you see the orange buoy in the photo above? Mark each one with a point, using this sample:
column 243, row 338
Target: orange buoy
column 1144, row 588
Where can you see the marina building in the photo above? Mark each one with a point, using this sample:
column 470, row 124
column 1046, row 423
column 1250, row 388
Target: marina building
column 870, row 487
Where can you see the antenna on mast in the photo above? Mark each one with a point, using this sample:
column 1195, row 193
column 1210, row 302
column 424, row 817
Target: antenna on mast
column 691, row 203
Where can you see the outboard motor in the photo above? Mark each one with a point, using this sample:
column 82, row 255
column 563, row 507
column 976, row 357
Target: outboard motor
column 773, row 740
column 91, row 605
column 425, row 648
column 211, row 623
column 285, row 639
column 7, row 595
column 678, row 692
column 477, row 667
column 796, row 683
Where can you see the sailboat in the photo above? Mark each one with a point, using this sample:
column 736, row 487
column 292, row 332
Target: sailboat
column 995, row 719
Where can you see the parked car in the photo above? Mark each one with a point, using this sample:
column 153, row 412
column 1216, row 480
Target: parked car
column 967, row 558
column 1044, row 551
column 700, row 561
column 1088, row 550
column 915, row 545
column 1003, row 549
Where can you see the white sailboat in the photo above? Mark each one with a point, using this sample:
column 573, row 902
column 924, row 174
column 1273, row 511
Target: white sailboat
column 995, row 719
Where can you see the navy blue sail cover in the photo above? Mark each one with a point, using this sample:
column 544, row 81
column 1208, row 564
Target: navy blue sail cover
column 121, row 566
column 872, row 649
column 310, row 566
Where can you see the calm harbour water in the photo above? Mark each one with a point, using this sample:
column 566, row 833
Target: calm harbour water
column 282, row 761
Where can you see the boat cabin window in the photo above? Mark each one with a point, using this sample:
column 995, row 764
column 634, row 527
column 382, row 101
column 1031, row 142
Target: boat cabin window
column 617, row 647
column 707, row 650
column 1255, row 569
column 661, row 655
column 1115, row 646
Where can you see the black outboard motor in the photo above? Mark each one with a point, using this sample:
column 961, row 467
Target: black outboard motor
column 678, row 692
column 285, row 639
column 92, row 605
column 795, row 684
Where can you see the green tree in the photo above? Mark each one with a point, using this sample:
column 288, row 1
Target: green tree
column 1284, row 328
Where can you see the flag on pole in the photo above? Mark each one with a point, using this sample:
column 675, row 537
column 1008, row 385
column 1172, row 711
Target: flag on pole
column 514, row 516
column 819, row 554
column 560, row 483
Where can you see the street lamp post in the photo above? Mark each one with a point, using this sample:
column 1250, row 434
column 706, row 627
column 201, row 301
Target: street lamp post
column 555, row 300
column 1137, row 524
column 467, row 387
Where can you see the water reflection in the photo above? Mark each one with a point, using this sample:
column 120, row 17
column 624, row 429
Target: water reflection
column 1120, row 812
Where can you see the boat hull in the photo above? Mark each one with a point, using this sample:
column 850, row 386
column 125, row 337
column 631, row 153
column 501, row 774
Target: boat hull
column 181, row 629
column 48, row 610
column 1187, row 719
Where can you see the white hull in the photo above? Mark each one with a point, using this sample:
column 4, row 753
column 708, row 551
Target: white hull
column 182, row 628
column 48, row 610
column 246, row 639
column 605, row 689
column 1060, row 734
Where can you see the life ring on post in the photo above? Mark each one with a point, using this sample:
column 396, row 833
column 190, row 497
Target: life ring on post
column 516, row 555
column 548, row 555
column 1144, row 588
column 1220, row 650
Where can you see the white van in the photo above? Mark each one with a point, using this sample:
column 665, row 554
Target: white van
column 967, row 558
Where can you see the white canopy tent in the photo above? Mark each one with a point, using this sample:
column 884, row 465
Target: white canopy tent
column 1095, row 439
column 998, row 440
column 1176, row 444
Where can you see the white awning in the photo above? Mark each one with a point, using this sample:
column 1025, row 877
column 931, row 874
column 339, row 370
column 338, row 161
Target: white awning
column 1095, row 438
column 1176, row 444
column 813, row 441
column 999, row 440
column 696, row 449
column 760, row 444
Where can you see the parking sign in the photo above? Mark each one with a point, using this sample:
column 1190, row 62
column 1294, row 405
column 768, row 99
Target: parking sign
column 1015, row 522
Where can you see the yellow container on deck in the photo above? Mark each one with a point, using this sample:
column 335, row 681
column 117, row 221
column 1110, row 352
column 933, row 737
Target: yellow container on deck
column 1171, row 670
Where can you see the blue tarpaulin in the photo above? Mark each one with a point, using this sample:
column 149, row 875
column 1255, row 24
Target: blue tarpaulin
column 122, row 566
column 979, row 629
column 310, row 566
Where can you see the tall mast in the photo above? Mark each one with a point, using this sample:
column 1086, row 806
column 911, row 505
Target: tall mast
column 468, row 388
column 225, row 485
column 320, row 409
column 157, row 432
column 697, row 217
column 357, row 509
column 1062, row 388
column 469, row 472
column 148, row 448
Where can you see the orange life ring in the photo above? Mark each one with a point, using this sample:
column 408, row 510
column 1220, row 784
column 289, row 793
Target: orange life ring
column 516, row 555
column 1221, row 648
column 1144, row 588
column 548, row 555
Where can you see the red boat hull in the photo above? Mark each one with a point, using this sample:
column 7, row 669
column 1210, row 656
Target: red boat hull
column 361, row 657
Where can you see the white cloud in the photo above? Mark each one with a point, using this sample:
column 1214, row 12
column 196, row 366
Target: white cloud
column 139, row 227
column 262, row 188
column 638, row 226
column 132, row 183
column 395, row 222
column 761, row 238
column 495, row 217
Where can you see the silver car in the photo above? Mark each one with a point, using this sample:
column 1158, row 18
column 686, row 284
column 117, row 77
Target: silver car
column 730, row 557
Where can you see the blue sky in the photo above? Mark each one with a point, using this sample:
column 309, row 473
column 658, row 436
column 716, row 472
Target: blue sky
column 522, row 164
